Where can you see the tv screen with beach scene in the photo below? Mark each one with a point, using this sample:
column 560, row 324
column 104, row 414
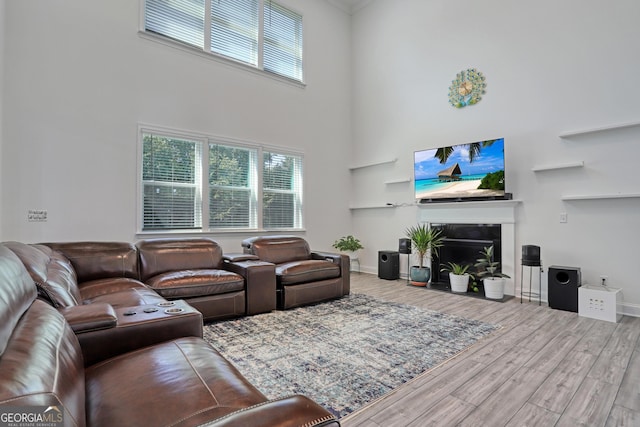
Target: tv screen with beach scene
column 460, row 172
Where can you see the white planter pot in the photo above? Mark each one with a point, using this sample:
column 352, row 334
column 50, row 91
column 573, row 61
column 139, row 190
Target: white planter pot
column 459, row 282
column 493, row 287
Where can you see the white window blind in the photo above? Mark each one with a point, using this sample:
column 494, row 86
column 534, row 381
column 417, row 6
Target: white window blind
column 282, row 191
column 170, row 182
column 233, row 31
column 181, row 20
column 232, row 187
column 282, row 41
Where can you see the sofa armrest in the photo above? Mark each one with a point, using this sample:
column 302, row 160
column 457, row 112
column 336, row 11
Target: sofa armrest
column 237, row 257
column 91, row 317
column 345, row 267
column 260, row 284
column 291, row 411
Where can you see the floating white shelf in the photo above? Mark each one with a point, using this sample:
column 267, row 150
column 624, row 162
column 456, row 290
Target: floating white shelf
column 558, row 166
column 366, row 165
column 398, row 181
column 601, row 196
column 371, row 207
column 598, row 129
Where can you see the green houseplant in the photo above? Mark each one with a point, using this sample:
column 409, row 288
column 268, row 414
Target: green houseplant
column 424, row 240
column 458, row 276
column 348, row 244
column 489, row 272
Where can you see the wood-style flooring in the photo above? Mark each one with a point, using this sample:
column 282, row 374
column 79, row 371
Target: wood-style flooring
column 544, row 367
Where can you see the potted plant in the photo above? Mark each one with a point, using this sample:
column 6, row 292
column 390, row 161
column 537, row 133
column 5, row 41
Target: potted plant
column 458, row 276
column 424, row 241
column 348, row 244
column 489, row 271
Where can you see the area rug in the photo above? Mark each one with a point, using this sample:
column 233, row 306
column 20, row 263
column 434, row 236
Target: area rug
column 342, row 354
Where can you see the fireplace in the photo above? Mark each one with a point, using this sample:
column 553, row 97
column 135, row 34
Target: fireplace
column 462, row 245
column 499, row 212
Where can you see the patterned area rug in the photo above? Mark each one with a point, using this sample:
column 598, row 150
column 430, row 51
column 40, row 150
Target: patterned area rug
column 343, row 354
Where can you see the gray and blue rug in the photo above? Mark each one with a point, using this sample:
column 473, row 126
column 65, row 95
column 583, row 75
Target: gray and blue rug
column 342, row 354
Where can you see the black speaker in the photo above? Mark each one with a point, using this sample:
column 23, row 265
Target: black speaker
column 531, row 255
column 404, row 246
column 563, row 287
column 389, row 265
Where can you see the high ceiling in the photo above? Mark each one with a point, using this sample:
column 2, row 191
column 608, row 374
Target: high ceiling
column 349, row 6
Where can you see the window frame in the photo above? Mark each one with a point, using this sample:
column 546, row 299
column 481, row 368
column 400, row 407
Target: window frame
column 206, row 52
column 203, row 187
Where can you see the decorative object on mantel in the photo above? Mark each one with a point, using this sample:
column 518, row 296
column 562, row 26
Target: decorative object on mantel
column 467, row 88
column 424, row 240
column 489, row 271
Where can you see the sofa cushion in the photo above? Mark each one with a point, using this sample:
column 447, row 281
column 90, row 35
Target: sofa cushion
column 306, row 271
column 51, row 271
column 118, row 292
column 195, row 283
column 98, row 260
column 181, row 382
column 159, row 256
column 278, row 249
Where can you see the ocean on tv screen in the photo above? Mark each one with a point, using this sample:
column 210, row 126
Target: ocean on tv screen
column 460, row 171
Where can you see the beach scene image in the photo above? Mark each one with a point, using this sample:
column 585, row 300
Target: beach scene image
column 460, row 171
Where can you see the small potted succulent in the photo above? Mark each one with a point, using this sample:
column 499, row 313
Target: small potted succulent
column 489, row 271
column 458, row 276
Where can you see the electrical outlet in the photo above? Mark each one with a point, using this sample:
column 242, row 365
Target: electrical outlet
column 37, row 215
column 563, row 217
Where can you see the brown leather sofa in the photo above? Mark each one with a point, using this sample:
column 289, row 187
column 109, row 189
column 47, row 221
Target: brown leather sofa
column 195, row 270
column 303, row 276
column 181, row 382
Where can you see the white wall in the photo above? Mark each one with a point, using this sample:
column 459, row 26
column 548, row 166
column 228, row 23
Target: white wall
column 2, row 6
column 80, row 79
column 551, row 67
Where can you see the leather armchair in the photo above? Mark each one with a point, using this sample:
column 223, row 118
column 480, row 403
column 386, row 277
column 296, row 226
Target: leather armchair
column 303, row 276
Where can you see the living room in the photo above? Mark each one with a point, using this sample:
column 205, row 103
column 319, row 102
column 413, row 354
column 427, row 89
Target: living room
column 78, row 79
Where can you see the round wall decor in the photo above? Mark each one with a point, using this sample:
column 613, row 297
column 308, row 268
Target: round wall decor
column 467, row 88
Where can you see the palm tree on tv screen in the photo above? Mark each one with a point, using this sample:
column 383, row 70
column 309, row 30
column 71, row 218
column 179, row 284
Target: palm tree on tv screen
column 443, row 153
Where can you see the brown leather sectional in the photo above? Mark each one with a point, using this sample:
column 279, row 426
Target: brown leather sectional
column 81, row 331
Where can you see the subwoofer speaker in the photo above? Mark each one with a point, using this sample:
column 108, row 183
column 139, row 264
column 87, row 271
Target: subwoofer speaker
column 563, row 287
column 389, row 265
column 404, row 246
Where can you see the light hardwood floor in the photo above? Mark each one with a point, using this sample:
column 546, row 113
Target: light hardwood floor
column 544, row 367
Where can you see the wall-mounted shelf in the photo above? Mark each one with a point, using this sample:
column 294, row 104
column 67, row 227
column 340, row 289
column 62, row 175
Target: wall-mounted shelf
column 558, row 166
column 601, row 196
column 398, row 181
column 371, row 207
column 366, row 165
column 598, row 129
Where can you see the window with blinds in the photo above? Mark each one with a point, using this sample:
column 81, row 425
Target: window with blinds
column 170, row 183
column 234, row 30
column 282, row 191
column 208, row 184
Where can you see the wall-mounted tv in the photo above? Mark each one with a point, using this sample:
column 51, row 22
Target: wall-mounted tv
column 473, row 171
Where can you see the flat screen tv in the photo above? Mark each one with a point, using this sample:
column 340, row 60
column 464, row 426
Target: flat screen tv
column 473, row 171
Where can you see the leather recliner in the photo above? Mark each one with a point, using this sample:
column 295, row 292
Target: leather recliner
column 303, row 276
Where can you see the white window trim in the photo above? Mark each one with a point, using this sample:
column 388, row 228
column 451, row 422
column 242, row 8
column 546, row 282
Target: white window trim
column 205, row 139
column 230, row 62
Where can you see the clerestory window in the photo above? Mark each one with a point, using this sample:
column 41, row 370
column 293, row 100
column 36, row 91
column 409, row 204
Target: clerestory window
column 260, row 33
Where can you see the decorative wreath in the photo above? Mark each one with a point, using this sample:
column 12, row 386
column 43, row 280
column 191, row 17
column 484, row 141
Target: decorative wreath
column 467, row 88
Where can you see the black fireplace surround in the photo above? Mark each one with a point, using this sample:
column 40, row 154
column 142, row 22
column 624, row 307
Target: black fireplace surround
column 462, row 245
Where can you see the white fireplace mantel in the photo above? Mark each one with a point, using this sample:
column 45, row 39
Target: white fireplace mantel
column 501, row 212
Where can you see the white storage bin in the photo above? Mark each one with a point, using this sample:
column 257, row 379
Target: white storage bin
column 599, row 302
